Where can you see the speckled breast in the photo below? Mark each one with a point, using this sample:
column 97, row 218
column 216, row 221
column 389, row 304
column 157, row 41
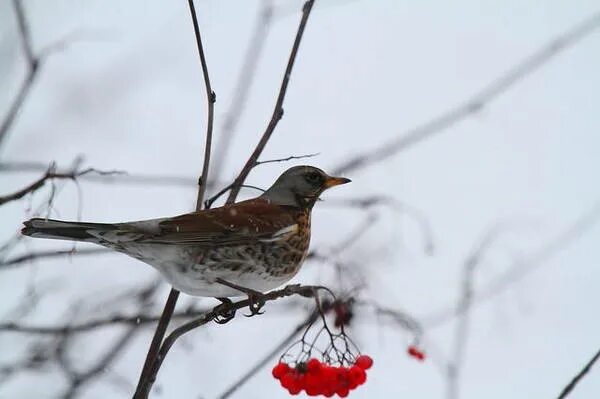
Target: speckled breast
column 286, row 256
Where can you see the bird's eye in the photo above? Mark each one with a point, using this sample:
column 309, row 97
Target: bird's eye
column 313, row 178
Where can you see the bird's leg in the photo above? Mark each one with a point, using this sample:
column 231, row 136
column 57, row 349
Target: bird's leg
column 228, row 312
column 256, row 299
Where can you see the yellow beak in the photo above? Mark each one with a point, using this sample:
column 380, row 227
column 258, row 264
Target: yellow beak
column 335, row 181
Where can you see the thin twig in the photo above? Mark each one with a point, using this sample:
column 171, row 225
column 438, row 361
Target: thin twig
column 523, row 267
column 138, row 319
column 34, row 63
column 280, row 346
column 30, row 256
column 461, row 334
column 584, row 371
column 125, row 178
column 50, row 175
column 474, row 104
column 286, row 159
column 152, row 358
column 247, row 74
column 381, row 200
column 277, row 111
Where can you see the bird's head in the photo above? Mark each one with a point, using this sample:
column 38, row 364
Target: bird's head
column 301, row 186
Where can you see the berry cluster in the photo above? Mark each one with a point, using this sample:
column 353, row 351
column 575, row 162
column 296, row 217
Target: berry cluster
column 317, row 378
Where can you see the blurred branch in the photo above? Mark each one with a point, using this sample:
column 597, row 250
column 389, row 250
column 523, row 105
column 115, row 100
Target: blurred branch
column 245, row 79
column 523, row 267
column 402, row 318
column 66, row 329
column 277, row 111
column 50, row 175
column 381, row 200
column 573, row 383
column 474, row 104
column 56, row 188
column 124, row 178
column 17, row 260
column 461, row 334
column 277, row 349
column 144, row 383
column 78, row 379
column 34, row 63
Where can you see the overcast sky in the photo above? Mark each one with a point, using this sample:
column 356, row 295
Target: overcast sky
column 127, row 93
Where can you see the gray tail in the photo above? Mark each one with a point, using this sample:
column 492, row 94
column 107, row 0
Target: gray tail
column 56, row 229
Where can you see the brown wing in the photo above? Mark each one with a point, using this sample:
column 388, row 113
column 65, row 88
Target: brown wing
column 240, row 223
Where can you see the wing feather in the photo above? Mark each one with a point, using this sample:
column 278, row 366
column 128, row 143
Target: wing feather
column 241, row 223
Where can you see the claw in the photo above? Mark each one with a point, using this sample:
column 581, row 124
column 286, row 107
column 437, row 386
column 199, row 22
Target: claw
column 255, row 304
column 224, row 313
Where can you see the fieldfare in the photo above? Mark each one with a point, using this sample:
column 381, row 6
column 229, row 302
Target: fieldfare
column 248, row 247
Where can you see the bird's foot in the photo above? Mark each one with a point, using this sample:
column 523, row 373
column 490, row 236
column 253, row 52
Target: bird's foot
column 225, row 313
column 256, row 299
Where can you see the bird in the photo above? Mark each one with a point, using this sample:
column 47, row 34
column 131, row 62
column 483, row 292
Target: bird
column 248, row 247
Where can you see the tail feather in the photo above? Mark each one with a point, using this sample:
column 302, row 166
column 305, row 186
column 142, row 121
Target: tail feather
column 56, row 229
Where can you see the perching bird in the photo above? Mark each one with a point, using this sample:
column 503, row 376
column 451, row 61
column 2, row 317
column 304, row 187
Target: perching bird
column 250, row 246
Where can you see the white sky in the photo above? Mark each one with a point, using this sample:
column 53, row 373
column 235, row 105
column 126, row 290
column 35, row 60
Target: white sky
column 129, row 95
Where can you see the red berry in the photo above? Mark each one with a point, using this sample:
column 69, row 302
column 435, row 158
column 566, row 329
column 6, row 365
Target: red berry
column 328, row 378
column 343, row 378
column 342, row 393
column 364, row 362
column 313, row 365
column 357, row 376
column 295, row 390
column 416, row 353
column 287, row 380
column 311, row 382
column 280, row 369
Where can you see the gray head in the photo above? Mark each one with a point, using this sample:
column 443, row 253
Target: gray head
column 301, row 186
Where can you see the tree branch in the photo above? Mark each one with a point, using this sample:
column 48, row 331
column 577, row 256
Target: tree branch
column 277, row 111
column 281, row 345
column 474, row 104
column 50, row 175
column 573, row 383
column 144, row 384
column 245, row 79
column 17, row 260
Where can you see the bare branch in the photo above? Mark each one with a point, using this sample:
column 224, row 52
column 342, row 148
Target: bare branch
column 380, row 200
column 66, row 329
column 34, row 63
column 30, row 256
column 573, row 383
column 280, row 346
column 50, row 175
column 461, row 334
column 125, row 178
column 523, row 267
column 245, row 79
column 290, row 158
column 210, row 100
column 277, row 111
column 474, row 104
column 157, row 341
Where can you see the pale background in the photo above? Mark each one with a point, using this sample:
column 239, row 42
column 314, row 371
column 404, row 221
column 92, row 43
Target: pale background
column 128, row 95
